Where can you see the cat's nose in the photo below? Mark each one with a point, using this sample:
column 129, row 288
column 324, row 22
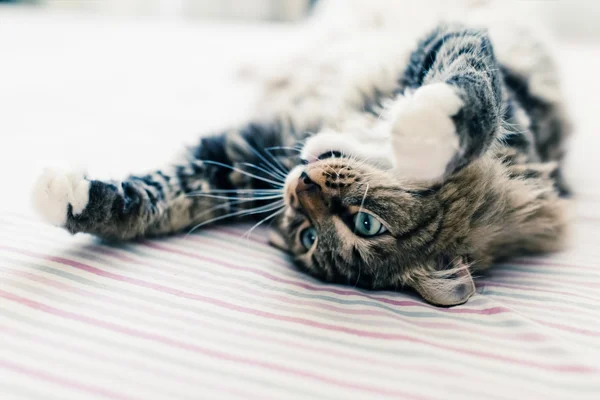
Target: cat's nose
column 305, row 184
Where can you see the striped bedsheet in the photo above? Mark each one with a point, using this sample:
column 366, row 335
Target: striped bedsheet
column 216, row 316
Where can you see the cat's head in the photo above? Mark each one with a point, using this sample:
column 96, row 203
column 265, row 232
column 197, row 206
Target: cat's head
column 354, row 222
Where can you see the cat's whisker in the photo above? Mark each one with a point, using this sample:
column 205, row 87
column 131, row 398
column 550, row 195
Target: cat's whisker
column 274, row 175
column 241, row 213
column 276, row 213
column 241, row 171
column 257, row 191
column 243, row 198
column 284, row 148
column 215, row 208
column 277, row 171
column 282, row 167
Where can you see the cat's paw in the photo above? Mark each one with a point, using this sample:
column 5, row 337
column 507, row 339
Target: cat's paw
column 54, row 191
column 424, row 135
column 332, row 144
column 328, row 144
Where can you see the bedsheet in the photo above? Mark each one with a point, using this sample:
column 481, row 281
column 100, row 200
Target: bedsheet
column 216, row 315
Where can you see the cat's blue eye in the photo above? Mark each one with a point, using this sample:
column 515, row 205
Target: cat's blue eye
column 367, row 225
column 308, row 237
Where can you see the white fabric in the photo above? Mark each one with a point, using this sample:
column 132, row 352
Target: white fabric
column 213, row 315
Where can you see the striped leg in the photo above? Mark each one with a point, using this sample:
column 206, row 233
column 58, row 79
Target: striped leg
column 451, row 110
column 224, row 174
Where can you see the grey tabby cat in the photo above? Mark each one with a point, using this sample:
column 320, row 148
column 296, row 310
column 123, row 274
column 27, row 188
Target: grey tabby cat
column 380, row 168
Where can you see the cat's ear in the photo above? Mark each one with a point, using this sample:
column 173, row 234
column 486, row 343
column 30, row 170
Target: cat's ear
column 277, row 240
column 449, row 286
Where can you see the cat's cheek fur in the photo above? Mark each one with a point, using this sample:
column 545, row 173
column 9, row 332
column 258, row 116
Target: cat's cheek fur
column 424, row 135
column 54, row 191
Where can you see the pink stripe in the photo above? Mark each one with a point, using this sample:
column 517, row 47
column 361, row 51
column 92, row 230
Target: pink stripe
column 534, row 289
column 82, row 350
column 262, row 255
column 460, row 310
column 406, row 303
column 351, row 311
column 303, row 321
column 61, row 381
column 544, row 262
column 116, row 254
column 408, row 320
column 237, row 332
column 236, row 233
column 572, row 329
column 256, row 253
column 536, row 306
column 202, row 350
column 41, row 279
column 528, row 337
column 507, row 275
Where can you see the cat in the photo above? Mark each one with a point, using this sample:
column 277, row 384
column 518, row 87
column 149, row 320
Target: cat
column 389, row 155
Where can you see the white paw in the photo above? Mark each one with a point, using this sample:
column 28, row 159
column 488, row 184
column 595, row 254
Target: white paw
column 327, row 142
column 423, row 132
column 54, row 191
column 345, row 143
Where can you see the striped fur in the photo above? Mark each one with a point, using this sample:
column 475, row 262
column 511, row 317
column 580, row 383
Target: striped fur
column 492, row 149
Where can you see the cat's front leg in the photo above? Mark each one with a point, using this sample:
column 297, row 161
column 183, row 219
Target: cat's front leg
column 225, row 175
column 134, row 207
column 451, row 110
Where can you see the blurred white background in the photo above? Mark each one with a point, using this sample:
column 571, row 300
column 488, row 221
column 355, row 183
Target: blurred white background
column 571, row 19
column 241, row 9
column 118, row 86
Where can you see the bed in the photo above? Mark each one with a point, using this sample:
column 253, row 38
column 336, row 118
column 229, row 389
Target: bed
column 216, row 315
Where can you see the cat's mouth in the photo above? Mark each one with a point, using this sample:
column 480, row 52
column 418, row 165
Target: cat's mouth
column 330, row 175
column 299, row 181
